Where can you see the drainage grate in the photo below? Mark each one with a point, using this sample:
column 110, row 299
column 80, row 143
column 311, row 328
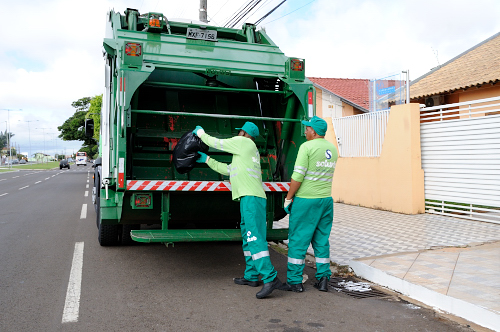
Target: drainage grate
column 355, row 288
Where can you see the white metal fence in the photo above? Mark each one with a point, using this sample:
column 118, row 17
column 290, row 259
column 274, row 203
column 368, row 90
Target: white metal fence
column 461, row 159
column 361, row 135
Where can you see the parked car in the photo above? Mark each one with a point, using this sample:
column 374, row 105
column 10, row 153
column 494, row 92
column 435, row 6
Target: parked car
column 15, row 162
column 22, row 161
column 64, row 164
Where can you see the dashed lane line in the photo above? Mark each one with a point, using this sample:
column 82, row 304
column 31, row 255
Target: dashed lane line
column 38, row 182
column 23, row 187
column 83, row 214
column 72, row 304
column 3, row 179
column 15, row 176
column 47, row 178
column 86, row 193
column 4, row 194
column 87, row 186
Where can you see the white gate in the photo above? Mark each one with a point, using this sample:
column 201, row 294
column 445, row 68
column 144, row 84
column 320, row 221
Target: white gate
column 461, row 159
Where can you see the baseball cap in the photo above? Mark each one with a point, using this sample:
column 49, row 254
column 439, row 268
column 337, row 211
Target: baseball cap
column 318, row 124
column 251, row 129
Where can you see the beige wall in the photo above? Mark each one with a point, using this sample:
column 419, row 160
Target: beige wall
column 474, row 94
column 395, row 180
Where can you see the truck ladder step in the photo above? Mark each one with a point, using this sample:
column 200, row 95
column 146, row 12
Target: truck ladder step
column 195, row 235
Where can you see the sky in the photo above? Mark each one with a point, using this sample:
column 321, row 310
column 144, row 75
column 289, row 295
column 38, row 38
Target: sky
column 51, row 53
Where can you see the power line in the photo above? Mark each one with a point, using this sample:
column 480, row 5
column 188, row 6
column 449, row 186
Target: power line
column 269, row 13
column 292, row 11
column 240, row 15
column 220, row 9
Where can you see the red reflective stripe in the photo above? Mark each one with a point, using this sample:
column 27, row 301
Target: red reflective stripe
column 158, row 184
column 207, row 186
column 143, row 185
column 282, row 187
column 121, row 83
column 270, row 186
column 131, row 184
column 121, row 178
column 310, row 97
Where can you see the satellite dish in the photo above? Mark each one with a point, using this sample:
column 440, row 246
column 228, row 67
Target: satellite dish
column 429, row 102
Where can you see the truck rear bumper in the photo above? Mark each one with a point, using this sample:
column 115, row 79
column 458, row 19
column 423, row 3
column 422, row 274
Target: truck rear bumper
column 200, row 235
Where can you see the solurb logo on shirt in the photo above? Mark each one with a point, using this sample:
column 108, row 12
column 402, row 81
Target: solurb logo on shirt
column 328, row 154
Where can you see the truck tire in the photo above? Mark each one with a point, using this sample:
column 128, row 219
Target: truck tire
column 126, row 239
column 108, row 235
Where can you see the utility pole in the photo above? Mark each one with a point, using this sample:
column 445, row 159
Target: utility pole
column 29, row 135
column 203, row 11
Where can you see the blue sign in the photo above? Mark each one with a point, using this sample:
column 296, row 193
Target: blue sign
column 386, row 91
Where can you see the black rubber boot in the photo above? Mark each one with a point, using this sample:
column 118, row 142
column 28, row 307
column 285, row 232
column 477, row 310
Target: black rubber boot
column 243, row 281
column 268, row 288
column 298, row 288
column 322, row 284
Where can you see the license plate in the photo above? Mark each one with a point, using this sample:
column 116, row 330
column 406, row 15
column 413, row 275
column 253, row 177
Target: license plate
column 202, row 34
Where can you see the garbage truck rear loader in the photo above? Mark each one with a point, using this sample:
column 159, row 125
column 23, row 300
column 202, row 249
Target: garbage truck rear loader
column 164, row 78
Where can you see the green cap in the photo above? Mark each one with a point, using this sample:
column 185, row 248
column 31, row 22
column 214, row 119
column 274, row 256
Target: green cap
column 251, row 129
column 318, row 124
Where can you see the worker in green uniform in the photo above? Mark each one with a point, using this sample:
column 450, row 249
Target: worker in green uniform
column 311, row 213
column 246, row 185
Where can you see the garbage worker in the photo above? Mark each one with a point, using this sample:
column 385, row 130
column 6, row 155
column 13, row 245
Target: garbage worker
column 246, row 185
column 311, row 213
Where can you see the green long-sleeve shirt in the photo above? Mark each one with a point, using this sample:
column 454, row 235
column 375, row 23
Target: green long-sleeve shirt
column 314, row 167
column 244, row 171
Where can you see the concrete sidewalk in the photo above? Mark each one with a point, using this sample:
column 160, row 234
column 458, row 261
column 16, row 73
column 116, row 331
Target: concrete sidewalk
column 448, row 263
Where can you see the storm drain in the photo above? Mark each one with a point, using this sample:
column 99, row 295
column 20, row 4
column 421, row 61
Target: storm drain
column 355, row 288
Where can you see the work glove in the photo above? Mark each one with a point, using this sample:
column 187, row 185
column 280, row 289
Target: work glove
column 288, row 205
column 198, row 131
column 203, row 157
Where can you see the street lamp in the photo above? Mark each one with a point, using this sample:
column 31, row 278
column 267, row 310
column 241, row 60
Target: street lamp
column 8, row 137
column 29, row 135
column 43, row 141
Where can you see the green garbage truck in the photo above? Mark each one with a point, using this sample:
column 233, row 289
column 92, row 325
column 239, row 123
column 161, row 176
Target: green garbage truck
column 162, row 78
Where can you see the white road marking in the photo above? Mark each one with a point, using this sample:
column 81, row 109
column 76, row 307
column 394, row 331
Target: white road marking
column 86, row 193
column 15, row 176
column 83, row 214
column 38, row 182
column 4, row 194
column 47, row 178
column 72, row 304
column 23, row 187
column 87, row 185
column 87, row 180
column 3, row 179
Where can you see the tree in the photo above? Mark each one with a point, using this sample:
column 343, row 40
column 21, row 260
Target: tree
column 73, row 129
column 94, row 113
column 4, row 140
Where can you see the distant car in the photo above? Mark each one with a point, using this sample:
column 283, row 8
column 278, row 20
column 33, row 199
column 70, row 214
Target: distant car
column 15, row 162
column 22, row 161
column 64, row 164
column 70, row 160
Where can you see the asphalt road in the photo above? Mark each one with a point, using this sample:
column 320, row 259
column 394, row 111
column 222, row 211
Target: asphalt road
column 149, row 287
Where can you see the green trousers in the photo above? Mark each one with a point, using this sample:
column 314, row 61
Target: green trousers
column 253, row 232
column 310, row 223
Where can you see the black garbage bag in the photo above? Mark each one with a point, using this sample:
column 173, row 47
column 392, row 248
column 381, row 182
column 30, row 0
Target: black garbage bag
column 185, row 152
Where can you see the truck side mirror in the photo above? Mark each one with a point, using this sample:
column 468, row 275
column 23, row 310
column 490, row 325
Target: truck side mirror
column 89, row 127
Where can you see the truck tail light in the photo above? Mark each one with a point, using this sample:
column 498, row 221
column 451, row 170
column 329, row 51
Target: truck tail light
column 133, row 49
column 297, row 65
column 154, row 22
column 142, row 201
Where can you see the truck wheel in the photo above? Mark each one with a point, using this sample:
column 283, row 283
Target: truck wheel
column 125, row 238
column 108, row 235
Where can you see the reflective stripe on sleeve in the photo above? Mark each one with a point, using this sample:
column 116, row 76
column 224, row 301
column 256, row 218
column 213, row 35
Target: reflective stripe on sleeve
column 296, row 261
column 299, row 171
column 247, row 253
column 260, row 255
column 320, row 173
column 323, row 260
column 318, row 179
